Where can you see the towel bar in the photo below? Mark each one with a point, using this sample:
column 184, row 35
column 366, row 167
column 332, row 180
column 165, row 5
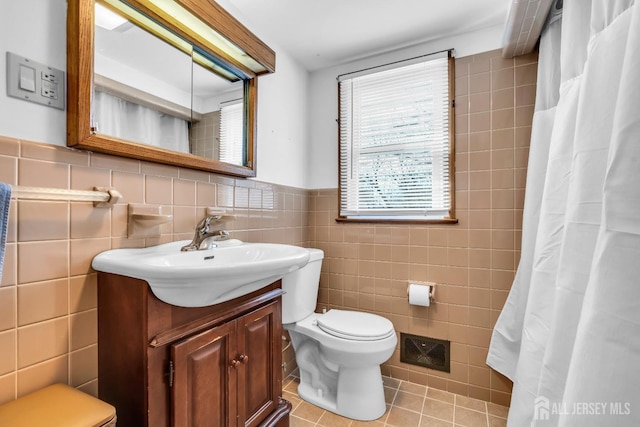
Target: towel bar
column 100, row 196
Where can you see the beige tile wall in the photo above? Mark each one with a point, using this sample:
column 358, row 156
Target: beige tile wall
column 368, row 267
column 48, row 329
column 48, row 321
column 205, row 131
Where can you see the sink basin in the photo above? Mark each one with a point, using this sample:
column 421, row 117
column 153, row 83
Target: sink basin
column 206, row 277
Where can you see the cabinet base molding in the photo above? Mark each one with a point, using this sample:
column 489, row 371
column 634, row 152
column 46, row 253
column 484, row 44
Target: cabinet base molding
column 279, row 417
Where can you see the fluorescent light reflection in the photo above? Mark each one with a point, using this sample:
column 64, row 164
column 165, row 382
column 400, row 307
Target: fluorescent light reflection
column 107, row 19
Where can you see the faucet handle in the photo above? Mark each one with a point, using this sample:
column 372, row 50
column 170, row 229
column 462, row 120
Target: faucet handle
column 204, row 224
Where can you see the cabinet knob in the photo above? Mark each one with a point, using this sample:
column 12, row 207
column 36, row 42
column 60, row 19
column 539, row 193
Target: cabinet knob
column 243, row 358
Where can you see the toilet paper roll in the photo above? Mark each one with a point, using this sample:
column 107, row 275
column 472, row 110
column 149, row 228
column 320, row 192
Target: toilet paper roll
column 419, row 295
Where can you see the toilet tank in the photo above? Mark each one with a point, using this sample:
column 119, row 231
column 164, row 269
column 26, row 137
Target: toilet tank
column 301, row 289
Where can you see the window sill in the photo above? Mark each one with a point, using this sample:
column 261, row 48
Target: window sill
column 398, row 221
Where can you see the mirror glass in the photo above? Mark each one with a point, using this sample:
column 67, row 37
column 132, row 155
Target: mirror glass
column 186, row 66
column 159, row 90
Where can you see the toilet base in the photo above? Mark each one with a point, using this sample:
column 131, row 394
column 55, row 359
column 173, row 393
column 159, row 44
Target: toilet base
column 359, row 396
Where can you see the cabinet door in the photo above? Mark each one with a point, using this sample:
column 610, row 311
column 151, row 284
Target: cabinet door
column 204, row 387
column 259, row 376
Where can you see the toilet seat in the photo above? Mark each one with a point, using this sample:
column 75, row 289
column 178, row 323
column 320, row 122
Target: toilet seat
column 354, row 325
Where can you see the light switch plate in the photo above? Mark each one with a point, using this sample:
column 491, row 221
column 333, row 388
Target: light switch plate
column 48, row 82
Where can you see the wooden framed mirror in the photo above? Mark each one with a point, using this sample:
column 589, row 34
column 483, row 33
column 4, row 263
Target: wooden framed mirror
column 215, row 42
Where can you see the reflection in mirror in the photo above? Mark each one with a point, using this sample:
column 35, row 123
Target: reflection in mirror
column 162, row 92
column 216, row 41
column 217, row 128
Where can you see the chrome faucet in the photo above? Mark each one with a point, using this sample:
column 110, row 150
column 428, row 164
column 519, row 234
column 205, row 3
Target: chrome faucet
column 204, row 236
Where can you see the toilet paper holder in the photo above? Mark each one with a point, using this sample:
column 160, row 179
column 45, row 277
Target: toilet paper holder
column 432, row 289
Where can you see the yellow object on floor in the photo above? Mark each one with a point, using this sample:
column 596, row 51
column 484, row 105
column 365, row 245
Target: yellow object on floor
column 57, row 406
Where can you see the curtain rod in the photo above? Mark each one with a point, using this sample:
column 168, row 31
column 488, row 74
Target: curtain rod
column 100, row 196
column 231, row 101
column 137, row 96
column 396, row 62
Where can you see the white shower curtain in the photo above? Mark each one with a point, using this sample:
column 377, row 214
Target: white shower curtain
column 569, row 333
column 133, row 122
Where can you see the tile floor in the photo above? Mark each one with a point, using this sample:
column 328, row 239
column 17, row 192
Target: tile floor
column 408, row 405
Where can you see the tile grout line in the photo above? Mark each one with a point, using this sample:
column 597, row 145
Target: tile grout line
column 455, row 405
column 424, row 397
column 486, row 408
column 395, row 396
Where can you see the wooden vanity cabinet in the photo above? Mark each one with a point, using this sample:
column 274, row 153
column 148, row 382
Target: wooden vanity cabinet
column 167, row 366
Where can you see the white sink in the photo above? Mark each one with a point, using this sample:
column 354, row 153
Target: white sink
column 206, row 277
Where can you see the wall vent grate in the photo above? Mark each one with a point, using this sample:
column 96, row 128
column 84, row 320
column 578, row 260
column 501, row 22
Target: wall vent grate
column 424, row 351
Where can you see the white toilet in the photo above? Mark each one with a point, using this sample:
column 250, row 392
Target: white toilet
column 338, row 352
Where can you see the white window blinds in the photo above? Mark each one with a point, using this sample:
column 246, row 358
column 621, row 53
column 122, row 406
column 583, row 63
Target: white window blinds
column 395, row 142
column 231, row 133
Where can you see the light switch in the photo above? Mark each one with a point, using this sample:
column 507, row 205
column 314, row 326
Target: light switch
column 33, row 81
column 27, row 78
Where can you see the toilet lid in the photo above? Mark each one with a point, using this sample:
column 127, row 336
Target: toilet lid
column 354, row 325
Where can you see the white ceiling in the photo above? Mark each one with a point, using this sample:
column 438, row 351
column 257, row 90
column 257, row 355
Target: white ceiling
column 323, row 33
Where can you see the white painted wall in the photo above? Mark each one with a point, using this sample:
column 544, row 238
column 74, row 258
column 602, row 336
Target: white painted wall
column 36, row 29
column 283, row 102
column 297, row 131
column 323, row 97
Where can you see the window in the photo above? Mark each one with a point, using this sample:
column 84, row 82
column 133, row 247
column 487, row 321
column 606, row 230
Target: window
column 396, row 142
column 232, row 133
